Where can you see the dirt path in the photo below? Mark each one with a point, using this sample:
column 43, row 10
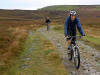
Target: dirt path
column 90, row 58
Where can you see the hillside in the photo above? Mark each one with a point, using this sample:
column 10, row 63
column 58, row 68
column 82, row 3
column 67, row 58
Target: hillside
column 70, row 7
column 59, row 7
column 25, row 17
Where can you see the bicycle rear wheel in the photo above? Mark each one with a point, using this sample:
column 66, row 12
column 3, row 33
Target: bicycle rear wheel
column 76, row 57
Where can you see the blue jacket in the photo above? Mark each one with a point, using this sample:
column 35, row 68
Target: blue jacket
column 71, row 26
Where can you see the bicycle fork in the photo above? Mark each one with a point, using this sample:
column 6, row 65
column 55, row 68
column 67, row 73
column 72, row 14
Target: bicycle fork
column 75, row 52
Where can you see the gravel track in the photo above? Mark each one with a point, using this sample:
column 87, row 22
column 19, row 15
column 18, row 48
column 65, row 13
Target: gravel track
column 90, row 58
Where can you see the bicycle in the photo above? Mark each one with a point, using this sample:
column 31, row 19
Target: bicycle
column 74, row 52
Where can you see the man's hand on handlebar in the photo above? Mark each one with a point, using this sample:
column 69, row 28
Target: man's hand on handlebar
column 66, row 36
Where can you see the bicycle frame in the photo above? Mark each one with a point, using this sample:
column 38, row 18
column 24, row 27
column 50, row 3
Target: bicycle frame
column 75, row 52
column 74, row 45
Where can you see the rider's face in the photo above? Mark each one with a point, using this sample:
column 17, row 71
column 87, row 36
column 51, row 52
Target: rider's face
column 73, row 17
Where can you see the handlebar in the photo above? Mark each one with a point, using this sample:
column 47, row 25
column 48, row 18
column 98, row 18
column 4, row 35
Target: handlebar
column 75, row 36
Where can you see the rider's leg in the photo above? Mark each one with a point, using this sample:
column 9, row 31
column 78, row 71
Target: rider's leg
column 68, row 44
column 68, row 41
column 47, row 26
column 73, row 40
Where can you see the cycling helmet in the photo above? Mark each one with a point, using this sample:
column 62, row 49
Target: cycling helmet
column 73, row 13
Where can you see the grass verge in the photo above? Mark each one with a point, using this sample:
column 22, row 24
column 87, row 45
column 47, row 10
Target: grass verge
column 38, row 58
column 88, row 39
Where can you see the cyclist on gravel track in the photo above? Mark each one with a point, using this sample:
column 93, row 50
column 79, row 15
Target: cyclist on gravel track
column 48, row 21
column 71, row 25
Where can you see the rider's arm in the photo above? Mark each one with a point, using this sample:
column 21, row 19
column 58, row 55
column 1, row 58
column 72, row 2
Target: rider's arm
column 80, row 29
column 66, row 25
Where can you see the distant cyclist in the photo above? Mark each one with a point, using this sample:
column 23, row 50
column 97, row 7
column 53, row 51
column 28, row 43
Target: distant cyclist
column 71, row 25
column 48, row 21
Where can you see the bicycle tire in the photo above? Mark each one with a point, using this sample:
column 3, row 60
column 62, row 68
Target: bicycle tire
column 77, row 65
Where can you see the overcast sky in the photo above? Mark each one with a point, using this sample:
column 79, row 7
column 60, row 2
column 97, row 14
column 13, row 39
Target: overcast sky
column 35, row 4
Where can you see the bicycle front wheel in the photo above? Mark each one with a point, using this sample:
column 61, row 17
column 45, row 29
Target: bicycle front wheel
column 76, row 57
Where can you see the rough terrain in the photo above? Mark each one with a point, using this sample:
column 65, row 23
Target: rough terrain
column 90, row 58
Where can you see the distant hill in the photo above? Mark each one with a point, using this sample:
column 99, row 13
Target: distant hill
column 86, row 13
column 60, row 7
column 70, row 7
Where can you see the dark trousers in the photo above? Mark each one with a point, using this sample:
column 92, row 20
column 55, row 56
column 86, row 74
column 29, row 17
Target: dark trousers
column 73, row 38
column 48, row 27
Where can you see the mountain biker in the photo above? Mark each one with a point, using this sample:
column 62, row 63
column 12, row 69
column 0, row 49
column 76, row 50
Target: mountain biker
column 48, row 21
column 71, row 25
